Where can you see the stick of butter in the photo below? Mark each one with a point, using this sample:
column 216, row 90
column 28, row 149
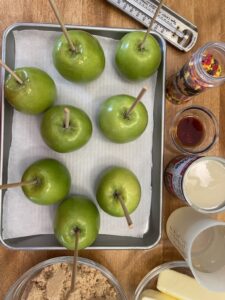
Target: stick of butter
column 183, row 287
column 154, row 295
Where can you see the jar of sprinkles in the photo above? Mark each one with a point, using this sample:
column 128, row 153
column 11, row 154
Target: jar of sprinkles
column 205, row 69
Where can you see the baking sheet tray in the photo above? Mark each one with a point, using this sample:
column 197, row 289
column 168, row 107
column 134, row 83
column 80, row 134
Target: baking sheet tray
column 38, row 242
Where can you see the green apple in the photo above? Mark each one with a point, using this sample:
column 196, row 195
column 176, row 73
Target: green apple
column 52, row 181
column 84, row 64
column 114, row 122
column 134, row 62
column 60, row 138
column 118, row 182
column 35, row 95
column 77, row 212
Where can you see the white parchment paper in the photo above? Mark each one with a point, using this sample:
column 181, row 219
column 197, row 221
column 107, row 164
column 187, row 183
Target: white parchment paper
column 23, row 218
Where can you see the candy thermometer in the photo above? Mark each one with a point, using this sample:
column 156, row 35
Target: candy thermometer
column 175, row 29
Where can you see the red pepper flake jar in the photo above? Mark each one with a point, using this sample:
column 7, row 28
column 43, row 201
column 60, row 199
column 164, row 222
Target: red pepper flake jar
column 205, row 69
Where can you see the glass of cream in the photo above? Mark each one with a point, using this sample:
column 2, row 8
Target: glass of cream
column 199, row 181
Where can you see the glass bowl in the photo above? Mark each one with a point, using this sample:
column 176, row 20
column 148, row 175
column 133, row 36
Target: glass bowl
column 150, row 280
column 17, row 289
column 194, row 130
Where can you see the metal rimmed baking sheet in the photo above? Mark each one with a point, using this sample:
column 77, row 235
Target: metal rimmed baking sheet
column 152, row 236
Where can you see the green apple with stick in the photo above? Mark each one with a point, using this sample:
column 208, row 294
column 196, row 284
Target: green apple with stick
column 83, row 64
column 119, row 192
column 76, row 227
column 29, row 90
column 77, row 55
column 77, row 214
column 46, row 181
column 138, row 54
column 65, row 128
column 122, row 118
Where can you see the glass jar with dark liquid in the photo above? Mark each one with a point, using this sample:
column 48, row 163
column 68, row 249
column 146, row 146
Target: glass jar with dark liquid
column 194, row 130
column 190, row 131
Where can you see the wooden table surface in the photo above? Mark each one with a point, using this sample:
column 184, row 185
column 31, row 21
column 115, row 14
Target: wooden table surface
column 128, row 266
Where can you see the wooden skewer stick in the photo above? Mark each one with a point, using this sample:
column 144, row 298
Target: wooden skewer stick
column 151, row 24
column 126, row 213
column 66, row 117
column 75, row 255
column 138, row 99
column 16, row 184
column 59, row 18
column 11, row 72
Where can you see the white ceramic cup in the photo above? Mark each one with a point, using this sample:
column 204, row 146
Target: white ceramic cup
column 201, row 241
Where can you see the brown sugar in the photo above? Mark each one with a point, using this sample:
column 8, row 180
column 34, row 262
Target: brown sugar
column 53, row 283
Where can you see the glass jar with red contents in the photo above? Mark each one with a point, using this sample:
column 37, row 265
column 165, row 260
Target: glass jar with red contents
column 194, row 130
column 205, row 69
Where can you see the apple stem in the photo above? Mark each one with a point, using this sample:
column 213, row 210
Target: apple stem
column 59, row 18
column 75, row 255
column 66, row 117
column 138, row 99
column 126, row 213
column 17, row 184
column 151, row 24
column 11, row 72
